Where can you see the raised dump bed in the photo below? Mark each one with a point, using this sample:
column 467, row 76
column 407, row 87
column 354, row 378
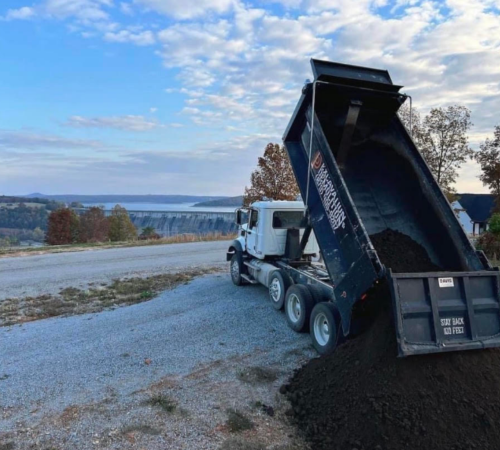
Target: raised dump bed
column 360, row 173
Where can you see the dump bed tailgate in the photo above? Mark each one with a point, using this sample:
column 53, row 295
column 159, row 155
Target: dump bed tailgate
column 445, row 311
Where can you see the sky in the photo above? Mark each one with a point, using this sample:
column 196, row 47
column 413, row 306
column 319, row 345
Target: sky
column 181, row 96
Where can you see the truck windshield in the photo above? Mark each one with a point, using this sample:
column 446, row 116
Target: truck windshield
column 289, row 219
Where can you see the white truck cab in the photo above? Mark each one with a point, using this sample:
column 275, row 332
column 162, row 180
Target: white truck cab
column 264, row 225
column 276, row 247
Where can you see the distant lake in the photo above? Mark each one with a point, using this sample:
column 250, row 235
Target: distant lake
column 163, row 207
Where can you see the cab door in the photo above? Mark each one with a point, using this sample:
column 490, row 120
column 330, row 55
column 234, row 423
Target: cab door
column 252, row 234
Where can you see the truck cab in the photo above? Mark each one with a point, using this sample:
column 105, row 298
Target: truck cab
column 265, row 225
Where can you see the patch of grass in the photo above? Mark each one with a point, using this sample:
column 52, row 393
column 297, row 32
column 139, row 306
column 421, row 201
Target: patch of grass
column 163, row 401
column 73, row 301
column 141, row 428
column 237, row 421
column 178, row 239
column 258, row 374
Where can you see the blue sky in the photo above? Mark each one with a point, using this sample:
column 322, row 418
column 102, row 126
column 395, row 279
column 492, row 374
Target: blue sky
column 168, row 96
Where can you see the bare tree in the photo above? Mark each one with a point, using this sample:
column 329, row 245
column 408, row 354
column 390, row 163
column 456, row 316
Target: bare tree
column 442, row 139
column 273, row 177
column 488, row 158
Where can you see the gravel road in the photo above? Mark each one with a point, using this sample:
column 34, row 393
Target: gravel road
column 48, row 274
column 83, row 382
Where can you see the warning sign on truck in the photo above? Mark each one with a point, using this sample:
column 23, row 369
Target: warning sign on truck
column 453, row 326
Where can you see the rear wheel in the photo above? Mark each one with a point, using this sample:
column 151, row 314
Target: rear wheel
column 298, row 306
column 324, row 328
column 318, row 293
column 236, row 268
column 278, row 285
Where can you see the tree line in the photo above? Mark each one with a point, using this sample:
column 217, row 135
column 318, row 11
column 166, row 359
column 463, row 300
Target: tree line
column 23, row 217
column 67, row 227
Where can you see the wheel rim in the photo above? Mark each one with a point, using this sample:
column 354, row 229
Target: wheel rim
column 275, row 290
column 321, row 329
column 294, row 308
column 235, row 270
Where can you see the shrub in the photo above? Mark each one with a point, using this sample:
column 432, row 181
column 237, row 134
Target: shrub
column 121, row 227
column 489, row 244
column 63, row 227
column 94, row 226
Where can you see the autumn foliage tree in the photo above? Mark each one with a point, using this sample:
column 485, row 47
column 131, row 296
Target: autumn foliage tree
column 442, row 139
column 121, row 227
column 488, row 158
column 63, row 227
column 94, row 225
column 273, row 177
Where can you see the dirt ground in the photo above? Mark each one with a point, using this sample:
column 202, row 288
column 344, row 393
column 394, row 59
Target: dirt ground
column 204, row 409
column 198, row 367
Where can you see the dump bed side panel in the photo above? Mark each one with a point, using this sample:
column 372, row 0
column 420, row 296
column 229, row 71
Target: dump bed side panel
column 337, row 227
column 451, row 241
column 442, row 311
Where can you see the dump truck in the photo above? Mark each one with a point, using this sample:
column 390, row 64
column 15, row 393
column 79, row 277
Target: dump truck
column 359, row 173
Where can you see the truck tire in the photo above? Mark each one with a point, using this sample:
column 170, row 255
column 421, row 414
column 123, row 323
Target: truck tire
column 317, row 293
column 324, row 328
column 299, row 304
column 236, row 269
column 278, row 285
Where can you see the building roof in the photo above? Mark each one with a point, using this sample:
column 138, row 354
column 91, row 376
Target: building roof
column 478, row 206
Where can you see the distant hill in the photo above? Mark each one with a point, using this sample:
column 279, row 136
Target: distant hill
column 68, row 198
column 12, row 200
column 228, row 201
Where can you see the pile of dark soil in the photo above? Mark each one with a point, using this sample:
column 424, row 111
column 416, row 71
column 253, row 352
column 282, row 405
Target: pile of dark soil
column 365, row 398
column 401, row 253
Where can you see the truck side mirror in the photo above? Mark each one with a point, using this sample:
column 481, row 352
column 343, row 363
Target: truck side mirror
column 238, row 217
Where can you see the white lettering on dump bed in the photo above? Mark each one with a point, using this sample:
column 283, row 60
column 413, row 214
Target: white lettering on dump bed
column 329, row 198
column 453, row 326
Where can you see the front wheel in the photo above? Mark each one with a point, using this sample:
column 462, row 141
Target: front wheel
column 324, row 328
column 236, row 268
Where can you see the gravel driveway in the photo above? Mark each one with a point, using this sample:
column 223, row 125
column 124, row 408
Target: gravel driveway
column 86, row 382
column 48, row 274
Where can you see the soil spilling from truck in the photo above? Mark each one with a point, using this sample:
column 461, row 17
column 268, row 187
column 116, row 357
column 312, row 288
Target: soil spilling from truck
column 401, row 253
column 363, row 397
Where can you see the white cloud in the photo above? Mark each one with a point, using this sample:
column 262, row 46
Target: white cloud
column 125, row 123
column 142, row 38
column 186, row 9
column 242, row 67
column 126, row 9
column 85, row 10
column 31, row 140
column 20, row 14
